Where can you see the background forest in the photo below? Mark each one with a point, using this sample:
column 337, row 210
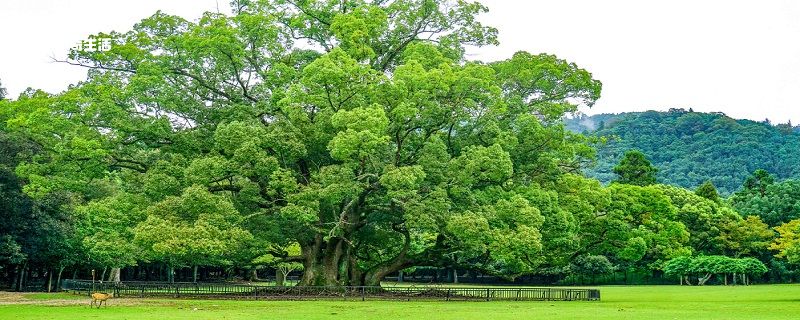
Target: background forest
column 690, row 148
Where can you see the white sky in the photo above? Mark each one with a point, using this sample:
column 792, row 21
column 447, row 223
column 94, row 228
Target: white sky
column 738, row 57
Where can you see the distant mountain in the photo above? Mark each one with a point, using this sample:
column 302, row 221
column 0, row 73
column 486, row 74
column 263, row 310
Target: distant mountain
column 691, row 147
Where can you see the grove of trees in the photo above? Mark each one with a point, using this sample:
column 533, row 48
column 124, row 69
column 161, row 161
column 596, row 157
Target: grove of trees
column 349, row 141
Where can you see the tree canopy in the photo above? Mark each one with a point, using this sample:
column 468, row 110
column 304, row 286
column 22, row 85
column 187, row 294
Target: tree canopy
column 356, row 130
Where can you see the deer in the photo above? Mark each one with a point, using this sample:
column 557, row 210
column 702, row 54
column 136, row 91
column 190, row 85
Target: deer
column 102, row 297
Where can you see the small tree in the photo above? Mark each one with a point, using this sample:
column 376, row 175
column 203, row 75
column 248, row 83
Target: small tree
column 708, row 190
column 749, row 268
column 196, row 228
column 788, row 242
column 105, row 232
column 723, row 265
column 680, row 267
column 758, row 182
column 634, row 168
column 704, row 267
column 707, row 266
column 282, row 267
column 744, row 237
column 592, row 265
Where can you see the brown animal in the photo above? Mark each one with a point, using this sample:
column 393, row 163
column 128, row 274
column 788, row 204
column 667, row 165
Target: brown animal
column 102, row 297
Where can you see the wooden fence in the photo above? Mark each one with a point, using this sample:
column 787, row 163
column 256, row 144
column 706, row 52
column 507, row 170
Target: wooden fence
column 249, row 291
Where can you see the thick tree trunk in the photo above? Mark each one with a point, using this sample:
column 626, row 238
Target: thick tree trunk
column 194, row 273
column 332, row 262
column 356, row 274
column 322, row 263
column 455, row 275
column 103, row 275
column 114, row 275
column 49, row 280
column 335, row 266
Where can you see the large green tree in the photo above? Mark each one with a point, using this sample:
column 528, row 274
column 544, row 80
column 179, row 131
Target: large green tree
column 746, row 237
column 706, row 220
column 355, row 129
column 196, row 228
column 635, row 227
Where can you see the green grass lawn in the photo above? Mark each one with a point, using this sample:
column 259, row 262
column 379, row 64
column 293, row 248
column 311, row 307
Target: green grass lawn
column 635, row 302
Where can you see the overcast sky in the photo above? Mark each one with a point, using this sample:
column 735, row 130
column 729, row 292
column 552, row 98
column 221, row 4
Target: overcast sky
column 738, row 57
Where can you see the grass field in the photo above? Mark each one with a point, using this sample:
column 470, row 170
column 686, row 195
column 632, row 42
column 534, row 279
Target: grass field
column 635, row 302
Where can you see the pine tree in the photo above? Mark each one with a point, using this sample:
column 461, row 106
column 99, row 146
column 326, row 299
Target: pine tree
column 635, row 169
column 758, row 182
column 708, row 190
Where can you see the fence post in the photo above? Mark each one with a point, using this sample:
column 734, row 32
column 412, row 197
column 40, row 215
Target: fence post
column 487, row 294
column 448, row 294
column 519, row 291
column 363, row 293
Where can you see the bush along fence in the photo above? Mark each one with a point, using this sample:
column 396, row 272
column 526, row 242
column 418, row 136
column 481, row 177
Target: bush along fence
column 244, row 291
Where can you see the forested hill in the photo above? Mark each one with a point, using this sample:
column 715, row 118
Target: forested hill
column 691, row 147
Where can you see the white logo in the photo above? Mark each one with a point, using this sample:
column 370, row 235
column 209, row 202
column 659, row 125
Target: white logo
column 94, row 44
